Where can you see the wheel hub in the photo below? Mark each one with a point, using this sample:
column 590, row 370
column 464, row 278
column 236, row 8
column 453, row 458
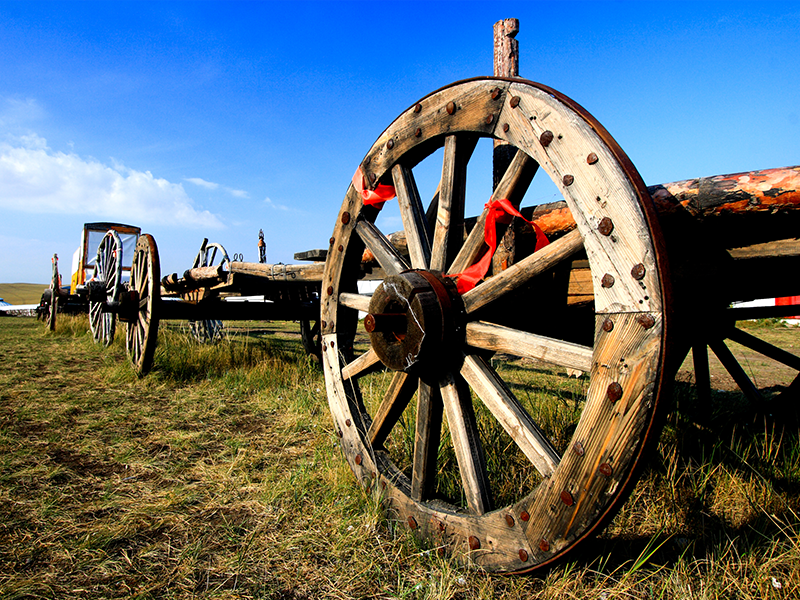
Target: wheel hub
column 415, row 322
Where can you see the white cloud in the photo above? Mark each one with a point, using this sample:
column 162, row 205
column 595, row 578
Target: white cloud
column 238, row 193
column 203, row 183
column 35, row 179
column 268, row 201
column 15, row 112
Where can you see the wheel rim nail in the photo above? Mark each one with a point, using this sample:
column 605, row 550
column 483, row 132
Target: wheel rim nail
column 417, row 107
column 592, row 158
column 638, row 271
column 607, row 281
column 412, row 522
column 524, row 515
column 514, row 102
column 489, row 119
column 341, row 248
column 578, row 448
column 348, row 422
column 417, row 132
column 451, row 107
column 495, row 93
column 546, row 138
column 646, row 321
column 474, row 543
column 567, row 498
column 509, row 520
column 614, row 391
column 606, row 469
column 544, row 545
column 606, row 226
column 332, row 240
column 523, row 555
column 506, row 128
column 358, row 459
column 568, row 180
column 390, row 144
column 608, row 325
column 345, row 218
column 330, row 290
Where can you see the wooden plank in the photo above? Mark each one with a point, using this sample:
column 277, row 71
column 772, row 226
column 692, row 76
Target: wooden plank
column 317, row 255
column 520, row 273
column 427, row 436
column 356, row 301
column 467, row 445
column 497, row 338
column 397, row 397
column 510, row 414
column 381, row 248
column 279, row 272
column 413, row 215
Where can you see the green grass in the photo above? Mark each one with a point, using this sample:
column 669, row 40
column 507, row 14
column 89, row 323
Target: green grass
column 22, row 293
column 219, row 476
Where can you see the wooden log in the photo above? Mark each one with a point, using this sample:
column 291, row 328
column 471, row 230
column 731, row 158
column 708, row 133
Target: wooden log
column 204, row 274
column 312, row 272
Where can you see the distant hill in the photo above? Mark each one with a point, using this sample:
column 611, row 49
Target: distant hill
column 22, row 293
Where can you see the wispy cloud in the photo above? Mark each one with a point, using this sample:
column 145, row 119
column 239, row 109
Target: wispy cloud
column 268, row 201
column 35, row 179
column 210, row 185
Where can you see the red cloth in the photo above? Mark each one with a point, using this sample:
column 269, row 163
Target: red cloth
column 500, row 211
column 377, row 197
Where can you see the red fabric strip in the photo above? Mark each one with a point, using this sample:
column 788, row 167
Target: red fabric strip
column 377, row 197
column 500, row 211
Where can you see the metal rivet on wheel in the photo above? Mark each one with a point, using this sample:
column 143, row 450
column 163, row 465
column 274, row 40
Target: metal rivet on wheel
column 546, row 138
column 417, row 107
column 495, row 93
column 607, row 281
column 567, row 498
column 332, row 344
column 524, row 515
column 451, row 107
column 332, row 240
column 509, row 520
column 474, row 543
column 412, row 522
column 568, row 180
column 605, row 226
column 348, row 422
column 489, row 119
column 390, row 144
column 646, row 321
column 341, row 248
column 606, row 469
column 358, row 459
column 324, row 324
column 592, row 158
column 638, row 271
column 417, row 132
column 614, row 391
column 345, row 218
column 514, row 102
column 523, row 555
column 608, row 325
column 506, row 127
column 330, row 290
column 544, row 545
column 577, row 447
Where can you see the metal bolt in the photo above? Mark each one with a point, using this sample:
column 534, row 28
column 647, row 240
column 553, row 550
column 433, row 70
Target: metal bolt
column 608, row 325
column 345, row 217
column 592, row 158
column 451, row 107
column 524, row 515
column 509, row 520
column 568, row 180
column 505, row 128
column 614, row 391
column 332, row 344
column 474, row 543
column 390, row 144
column 417, row 107
column 578, row 448
column 638, row 271
column 546, row 138
column 341, row 248
column 330, row 290
column 566, row 498
column 348, row 422
column 514, row 102
column 605, row 226
column 358, row 459
column 607, row 281
column 544, row 545
column 606, row 469
column 324, row 324
column 417, row 132
column 489, row 119
column 332, row 240
column 495, row 93
column 646, row 321
column 412, row 522
column 523, row 555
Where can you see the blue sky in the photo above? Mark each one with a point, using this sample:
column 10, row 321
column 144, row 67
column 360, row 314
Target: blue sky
column 216, row 120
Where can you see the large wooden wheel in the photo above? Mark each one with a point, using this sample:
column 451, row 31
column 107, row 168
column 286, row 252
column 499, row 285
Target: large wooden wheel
column 210, row 255
column 455, row 435
column 142, row 330
column 108, row 279
column 55, row 289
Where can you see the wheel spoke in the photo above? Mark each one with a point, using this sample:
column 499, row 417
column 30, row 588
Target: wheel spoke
column 450, row 206
column 510, row 414
column 466, row 443
column 356, row 301
column 361, row 365
column 702, row 379
column 413, row 215
column 520, row 273
column 733, row 367
column 380, row 246
column 397, row 397
column 512, row 186
column 498, row 338
column 765, row 348
column 427, row 436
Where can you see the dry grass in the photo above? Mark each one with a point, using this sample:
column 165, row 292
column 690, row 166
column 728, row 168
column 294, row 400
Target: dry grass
column 218, row 476
column 22, row 293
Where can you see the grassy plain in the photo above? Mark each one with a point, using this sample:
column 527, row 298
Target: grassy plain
column 22, row 293
column 219, row 476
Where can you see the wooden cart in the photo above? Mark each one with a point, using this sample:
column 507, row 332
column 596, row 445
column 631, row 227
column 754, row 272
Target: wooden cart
column 447, row 415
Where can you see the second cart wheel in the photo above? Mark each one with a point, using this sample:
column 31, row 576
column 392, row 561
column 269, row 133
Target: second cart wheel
column 463, row 436
column 210, row 255
column 142, row 331
column 55, row 288
column 108, row 275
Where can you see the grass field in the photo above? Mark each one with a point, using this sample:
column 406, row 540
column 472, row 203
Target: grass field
column 22, row 293
column 219, row 476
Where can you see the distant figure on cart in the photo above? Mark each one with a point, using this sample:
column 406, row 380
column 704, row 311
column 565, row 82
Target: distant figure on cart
column 262, row 247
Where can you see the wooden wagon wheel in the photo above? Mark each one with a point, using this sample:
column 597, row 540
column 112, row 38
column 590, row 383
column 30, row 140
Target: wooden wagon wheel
column 55, row 288
column 142, row 331
column 108, row 275
column 523, row 500
column 210, row 255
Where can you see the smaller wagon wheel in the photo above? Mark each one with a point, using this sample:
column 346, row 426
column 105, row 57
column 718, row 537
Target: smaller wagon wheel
column 209, row 330
column 108, row 274
column 55, row 288
column 142, row 331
